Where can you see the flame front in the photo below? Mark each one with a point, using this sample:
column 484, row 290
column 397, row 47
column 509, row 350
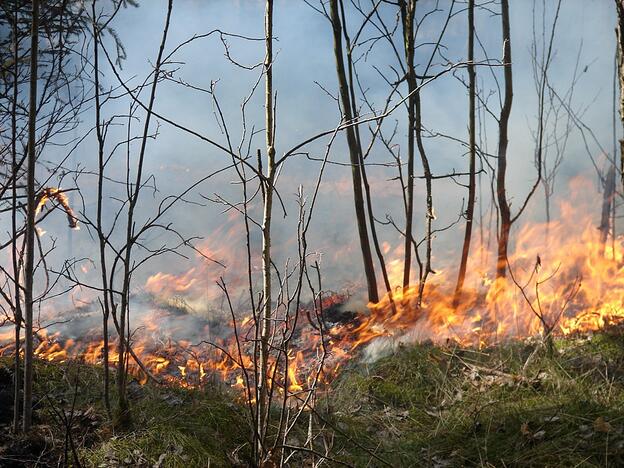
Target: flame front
column 562, row 277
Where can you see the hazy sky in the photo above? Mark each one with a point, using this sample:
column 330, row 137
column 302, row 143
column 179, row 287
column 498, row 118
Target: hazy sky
column 304, row 79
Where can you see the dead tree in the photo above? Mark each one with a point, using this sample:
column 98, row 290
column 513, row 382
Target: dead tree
column 364, row 153
column 16, row 253
column 123, row 409
column 58, row 25
column 105, row 302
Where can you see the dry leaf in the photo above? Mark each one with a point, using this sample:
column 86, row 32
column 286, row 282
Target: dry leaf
column 600, row 425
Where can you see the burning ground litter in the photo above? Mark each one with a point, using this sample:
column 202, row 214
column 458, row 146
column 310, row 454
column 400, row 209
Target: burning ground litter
column 572, row 284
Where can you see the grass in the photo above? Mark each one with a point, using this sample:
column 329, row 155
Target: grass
column 432, row 406
column 424, row 405
column 172, row 427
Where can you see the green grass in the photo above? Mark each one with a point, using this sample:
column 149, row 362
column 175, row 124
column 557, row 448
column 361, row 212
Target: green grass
column 175, row 427
column 429, row 406
column 424, row 405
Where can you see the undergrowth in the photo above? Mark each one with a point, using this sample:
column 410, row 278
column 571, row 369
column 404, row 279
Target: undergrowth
column 424, row 405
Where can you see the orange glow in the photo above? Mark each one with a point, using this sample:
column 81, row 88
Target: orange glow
column 569, row 278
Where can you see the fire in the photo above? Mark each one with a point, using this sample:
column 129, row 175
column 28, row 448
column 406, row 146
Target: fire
column 53, row 193
column 562, row 277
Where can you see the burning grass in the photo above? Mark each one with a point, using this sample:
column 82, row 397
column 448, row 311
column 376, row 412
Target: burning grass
column 423, row 405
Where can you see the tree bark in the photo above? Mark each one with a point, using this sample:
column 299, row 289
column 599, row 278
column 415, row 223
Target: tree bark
column 472, row 155
column 407, row 19
column 619, row 30
column 503, row 123
column 365, row 184
column 100, row 195
column 607, row 200
column 15, row 253
column 30, row 222
column 268, row 180
column 354, row 156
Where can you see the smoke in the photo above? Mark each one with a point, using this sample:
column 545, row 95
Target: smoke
column 305, row 80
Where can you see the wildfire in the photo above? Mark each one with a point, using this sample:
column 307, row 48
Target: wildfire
column 53, row 193
column 563, row 279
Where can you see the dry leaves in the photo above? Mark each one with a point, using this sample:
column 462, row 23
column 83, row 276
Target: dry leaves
column 601, row 425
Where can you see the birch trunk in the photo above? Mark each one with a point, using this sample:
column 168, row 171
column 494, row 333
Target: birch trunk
column 268, row 180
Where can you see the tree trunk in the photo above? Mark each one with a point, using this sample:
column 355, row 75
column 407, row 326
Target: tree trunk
column 99, row 226
column 619, row 4
column 407, row 19
column 472, row 154
column 354, row 155
column 15, row 254
column 408, row 11
column 607, row 200
column 123, row 418
column 365, row 184
column 30, row 223
column 265, row 334
column 503, row 206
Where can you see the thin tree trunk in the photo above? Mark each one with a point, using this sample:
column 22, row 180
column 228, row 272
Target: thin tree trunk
column 265, row 334
column 619, row 4
column 548, row 215
column 366, row 185
column 408, row 12
column 30, row 223
column 123, row 416
column 429, row 216
column 17, row 381
column 99, row 226
column 472, row 155
column 354, row 156
column 503, row 123
column 407, row 18
column 607, row 200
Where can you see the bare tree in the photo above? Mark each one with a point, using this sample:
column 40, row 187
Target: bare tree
column 408, row 11
column 506, row 218
column 267, row 183
column 503, row 140
column 54, row 102
column 619, row 5
column 348, row 107
column 472, row 150
column 30, row 224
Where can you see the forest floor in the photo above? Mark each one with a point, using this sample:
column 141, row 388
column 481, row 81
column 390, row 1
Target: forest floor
column 425, row 405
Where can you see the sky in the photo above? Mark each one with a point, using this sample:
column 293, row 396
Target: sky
column 305, row 83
